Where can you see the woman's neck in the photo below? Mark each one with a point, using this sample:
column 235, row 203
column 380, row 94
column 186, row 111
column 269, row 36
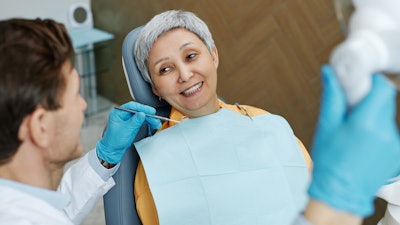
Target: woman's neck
column 210, row 109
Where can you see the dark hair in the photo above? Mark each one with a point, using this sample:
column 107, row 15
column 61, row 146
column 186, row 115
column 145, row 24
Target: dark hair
column 32, row 54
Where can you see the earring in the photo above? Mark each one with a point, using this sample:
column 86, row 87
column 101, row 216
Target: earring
column 159, row 98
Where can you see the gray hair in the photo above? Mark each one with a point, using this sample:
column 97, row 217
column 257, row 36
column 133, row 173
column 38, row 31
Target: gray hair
column 163, row 23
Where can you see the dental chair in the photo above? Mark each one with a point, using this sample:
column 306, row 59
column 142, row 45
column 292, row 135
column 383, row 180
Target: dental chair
column 119, row 203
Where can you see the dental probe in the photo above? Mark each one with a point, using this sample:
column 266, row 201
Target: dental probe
column 148, row 115
column 243, row 109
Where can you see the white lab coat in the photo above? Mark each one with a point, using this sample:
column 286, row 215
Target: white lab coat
column 391, row 193
column 81, row 182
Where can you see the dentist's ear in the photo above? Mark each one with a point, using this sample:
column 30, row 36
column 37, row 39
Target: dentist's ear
column 37, row 128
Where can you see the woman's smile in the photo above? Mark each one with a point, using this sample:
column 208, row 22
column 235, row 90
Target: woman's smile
column 192, row 90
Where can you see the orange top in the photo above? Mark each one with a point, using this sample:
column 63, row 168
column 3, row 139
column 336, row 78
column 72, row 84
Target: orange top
column 145, row 205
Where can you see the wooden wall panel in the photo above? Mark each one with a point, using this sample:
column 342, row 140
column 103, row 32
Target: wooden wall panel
column 270, row 51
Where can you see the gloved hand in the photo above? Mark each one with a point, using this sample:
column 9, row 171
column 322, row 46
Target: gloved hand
column 122, row 128
column 355, row 151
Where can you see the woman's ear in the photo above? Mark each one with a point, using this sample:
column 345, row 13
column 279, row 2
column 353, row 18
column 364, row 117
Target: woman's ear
column 155, row 91
column 215, row 57
column 37, row 127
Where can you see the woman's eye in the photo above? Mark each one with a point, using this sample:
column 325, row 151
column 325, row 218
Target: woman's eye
column 191, row 56
column 164, row 70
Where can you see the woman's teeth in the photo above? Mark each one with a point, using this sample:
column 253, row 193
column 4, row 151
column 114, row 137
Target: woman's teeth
column 192, row 89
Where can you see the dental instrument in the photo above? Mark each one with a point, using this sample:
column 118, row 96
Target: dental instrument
column 243, row 109
column 148, row 115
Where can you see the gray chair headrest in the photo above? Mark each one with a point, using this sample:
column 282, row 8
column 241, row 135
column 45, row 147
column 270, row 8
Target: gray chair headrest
column 140, row 90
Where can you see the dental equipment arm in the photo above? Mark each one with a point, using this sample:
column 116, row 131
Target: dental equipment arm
column 372, row 45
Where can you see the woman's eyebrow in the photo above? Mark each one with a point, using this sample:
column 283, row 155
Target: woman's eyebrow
column 184, row 45
column 160, row 60
column 180, row 48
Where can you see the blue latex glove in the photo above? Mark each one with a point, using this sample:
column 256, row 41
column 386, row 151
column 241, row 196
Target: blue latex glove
column 355, row 151
column 122, row 128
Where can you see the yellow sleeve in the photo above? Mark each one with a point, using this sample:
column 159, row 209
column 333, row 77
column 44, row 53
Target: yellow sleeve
column 144, row 201
column 145, row 206
column 306, row 155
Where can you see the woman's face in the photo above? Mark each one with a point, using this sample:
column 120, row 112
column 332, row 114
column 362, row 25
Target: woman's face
column 184, row 73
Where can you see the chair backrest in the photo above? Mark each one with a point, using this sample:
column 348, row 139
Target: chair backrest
column 119, row 204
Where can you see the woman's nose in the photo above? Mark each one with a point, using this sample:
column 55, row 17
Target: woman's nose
column 185, row 73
